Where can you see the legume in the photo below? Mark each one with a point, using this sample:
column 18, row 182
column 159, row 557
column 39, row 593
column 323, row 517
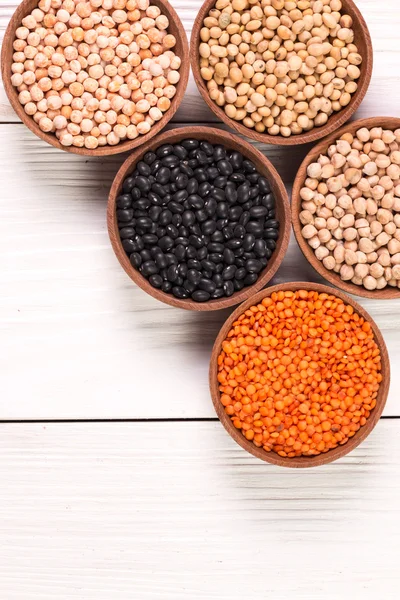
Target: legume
column 351, row 208
column 95, row 73
column 197, row 220
column 299, row 373
column 278, row 66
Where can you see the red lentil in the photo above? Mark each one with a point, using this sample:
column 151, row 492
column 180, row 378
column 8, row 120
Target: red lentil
column 299, row 373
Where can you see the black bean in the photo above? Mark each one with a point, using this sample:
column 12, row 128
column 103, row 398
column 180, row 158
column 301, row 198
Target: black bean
column 176, row 219
column 222, row 209
column 124, row 201
column 271, row 223
column 253, row 265
column 238, row 284
column 127, row 232
column 196, row 241
column 136, row 260
column 271, row 244
column 211, row 207
column 204, row 189
column 200, row 296
column 202, row 253
column 181, row 240
column 146, row 255
column 194, row 276
column 170, row 161
column 258, row 211
column 228, row 232
column 207, row 285
column 250, row 278
column 208, row 227
column 225, row 167
column 219, row 153
column 233, row 244
column 180, row 292
column 128, row 184
column 149, row 239
column 180, row 151
column 149, row 158
column 165, row 217
column 271, row 234
column 207, row 148
column 229, row 257
column 229, row 272
column 180, row 252
column 166, row 286
column 148, row 268
column 192, row 186
column 215, row 247
column 201, row 215
column 143, row 168
column 171, row 258
column 161, row 260
column 175, row 207
column 208, row 265
column 180, row 196
column 156, row 280
column 231, row 193
column 195, row 201
column 235, row 212
column 219, row 293
column 220, row 182
column 240, row 273
column 163, row 175
column 260, row 248
column 129, row 246
column 244, row 218
column 125, row 215
column 166, row 243
column 228, row 288
column 243, row 193
column 172, row 273
column 239, row 231
column 189, row 286
column 236, row 160
column 255, row 227
column 191, row 252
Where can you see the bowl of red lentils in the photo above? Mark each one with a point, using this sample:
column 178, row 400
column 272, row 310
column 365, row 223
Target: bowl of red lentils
column 95, row 78
column 299, row 375
column 346, row 208
column 281, row 71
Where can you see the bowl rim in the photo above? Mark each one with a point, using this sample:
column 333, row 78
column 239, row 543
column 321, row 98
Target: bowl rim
column 332, row 277
column 302, row 461
column 335, row 121
column 127, row 145
column 229, row 140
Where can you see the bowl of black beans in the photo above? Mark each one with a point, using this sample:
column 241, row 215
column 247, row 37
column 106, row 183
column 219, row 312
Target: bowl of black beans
column 199, row 218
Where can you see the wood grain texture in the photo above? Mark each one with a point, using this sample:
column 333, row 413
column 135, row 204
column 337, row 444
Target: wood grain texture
column 78, row 338
column 387, row 293
column 382, row 18
column 181, row 49
column 301, row 461
column 163, row 511
column 362, row 39
column 264, row 168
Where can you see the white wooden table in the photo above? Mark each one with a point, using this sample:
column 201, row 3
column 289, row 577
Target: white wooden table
column 117, row 481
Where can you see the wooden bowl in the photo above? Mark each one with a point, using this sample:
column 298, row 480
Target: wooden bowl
column 265, row 168
column 321, row 148
column 301, row 461
column 181, row 49
column 364, row 43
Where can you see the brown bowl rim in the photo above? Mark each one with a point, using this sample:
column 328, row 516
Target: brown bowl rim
column 6, row 58
column 230, row 141
column 335, row 121
column 333, row 278
column 303, row 461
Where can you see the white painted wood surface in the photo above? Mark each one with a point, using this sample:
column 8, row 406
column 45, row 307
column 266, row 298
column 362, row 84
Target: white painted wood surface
column 165, row 511
column 161, row 510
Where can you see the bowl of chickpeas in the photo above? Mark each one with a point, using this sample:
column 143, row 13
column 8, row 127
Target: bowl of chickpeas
column 279, row 71
column 95, row 78
column 346, row 208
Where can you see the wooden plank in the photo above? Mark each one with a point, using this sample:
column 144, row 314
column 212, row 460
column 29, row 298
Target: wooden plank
column 82, row 340
column 383, row 19
column 166, row 511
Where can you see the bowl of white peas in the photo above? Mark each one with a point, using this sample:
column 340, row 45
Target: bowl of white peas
column 95, row 78
column 346, row 208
